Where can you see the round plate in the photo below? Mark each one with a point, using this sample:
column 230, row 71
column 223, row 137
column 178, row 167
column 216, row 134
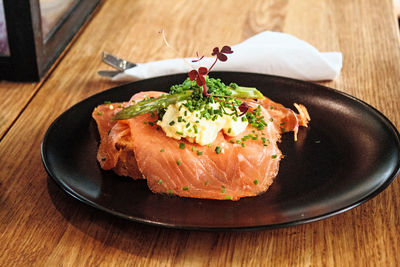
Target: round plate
column 347, row 155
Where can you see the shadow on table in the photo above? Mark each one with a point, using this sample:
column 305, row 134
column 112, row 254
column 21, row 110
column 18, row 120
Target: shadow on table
column 150, row 241
column 166, row 245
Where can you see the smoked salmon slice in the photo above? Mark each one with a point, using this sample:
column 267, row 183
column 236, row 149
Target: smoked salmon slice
column 229, row 168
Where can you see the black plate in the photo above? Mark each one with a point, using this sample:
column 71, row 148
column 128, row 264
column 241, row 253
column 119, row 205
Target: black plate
column 347, row 155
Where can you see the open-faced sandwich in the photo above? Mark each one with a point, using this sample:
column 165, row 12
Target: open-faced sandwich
column 203, row 139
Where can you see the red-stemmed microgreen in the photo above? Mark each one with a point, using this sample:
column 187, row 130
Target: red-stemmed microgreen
column 162, row 32
column 199, row 75
column 198, row 58
column 220, row 55
column 244, row 107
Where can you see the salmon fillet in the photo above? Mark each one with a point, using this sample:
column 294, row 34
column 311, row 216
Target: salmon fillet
column 138, row 148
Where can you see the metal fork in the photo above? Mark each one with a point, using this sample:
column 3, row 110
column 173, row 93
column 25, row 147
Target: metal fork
column 119, row 64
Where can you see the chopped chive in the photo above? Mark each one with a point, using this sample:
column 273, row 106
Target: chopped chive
column 178, row 162
column 103, row 159
column 109, row 131
column 180, row 119
column 274, row 156
column 228, row 197
column 195, row 128
column 229, row 130
column 255, row 182
column 187, row 125
column 150, row 123
column 159, row 181
column 178, row 132
column 199, row 153
column 185, row 113
column 192, row 148
column 243, row 144
column 206, row 182
column 182, row 145
column 223, row 189
column 171, row 123
column 185, row 188
column 231, row 141
column 162, row 150
column 282, row 123
column 99, row 113
column 107, row 102
column 120, row 106
column 169, row 192
column 217, row 149
column 209, row 145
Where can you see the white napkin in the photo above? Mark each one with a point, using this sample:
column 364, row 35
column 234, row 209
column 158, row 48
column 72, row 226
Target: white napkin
column 267, row 53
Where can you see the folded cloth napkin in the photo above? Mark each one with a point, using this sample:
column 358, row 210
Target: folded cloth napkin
column 267, row 53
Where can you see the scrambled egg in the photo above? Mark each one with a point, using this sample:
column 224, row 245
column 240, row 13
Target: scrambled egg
column 178, row 122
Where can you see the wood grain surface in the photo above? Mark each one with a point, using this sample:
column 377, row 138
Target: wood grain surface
column 40, row 225
column 14, row 98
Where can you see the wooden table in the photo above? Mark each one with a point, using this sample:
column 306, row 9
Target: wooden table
column 41, row 225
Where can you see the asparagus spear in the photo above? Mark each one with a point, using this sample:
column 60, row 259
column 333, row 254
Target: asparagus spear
column 165, row 100
column 150, row 105
column 246, row 92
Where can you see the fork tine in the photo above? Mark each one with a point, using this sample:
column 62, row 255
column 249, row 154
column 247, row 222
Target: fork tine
column 116, row 62
column 108, row 73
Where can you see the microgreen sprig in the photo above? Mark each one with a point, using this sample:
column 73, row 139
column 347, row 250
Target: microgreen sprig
column 199, row 75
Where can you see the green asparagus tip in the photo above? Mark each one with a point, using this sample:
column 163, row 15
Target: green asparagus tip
column 146, row 106
column 247, row 92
